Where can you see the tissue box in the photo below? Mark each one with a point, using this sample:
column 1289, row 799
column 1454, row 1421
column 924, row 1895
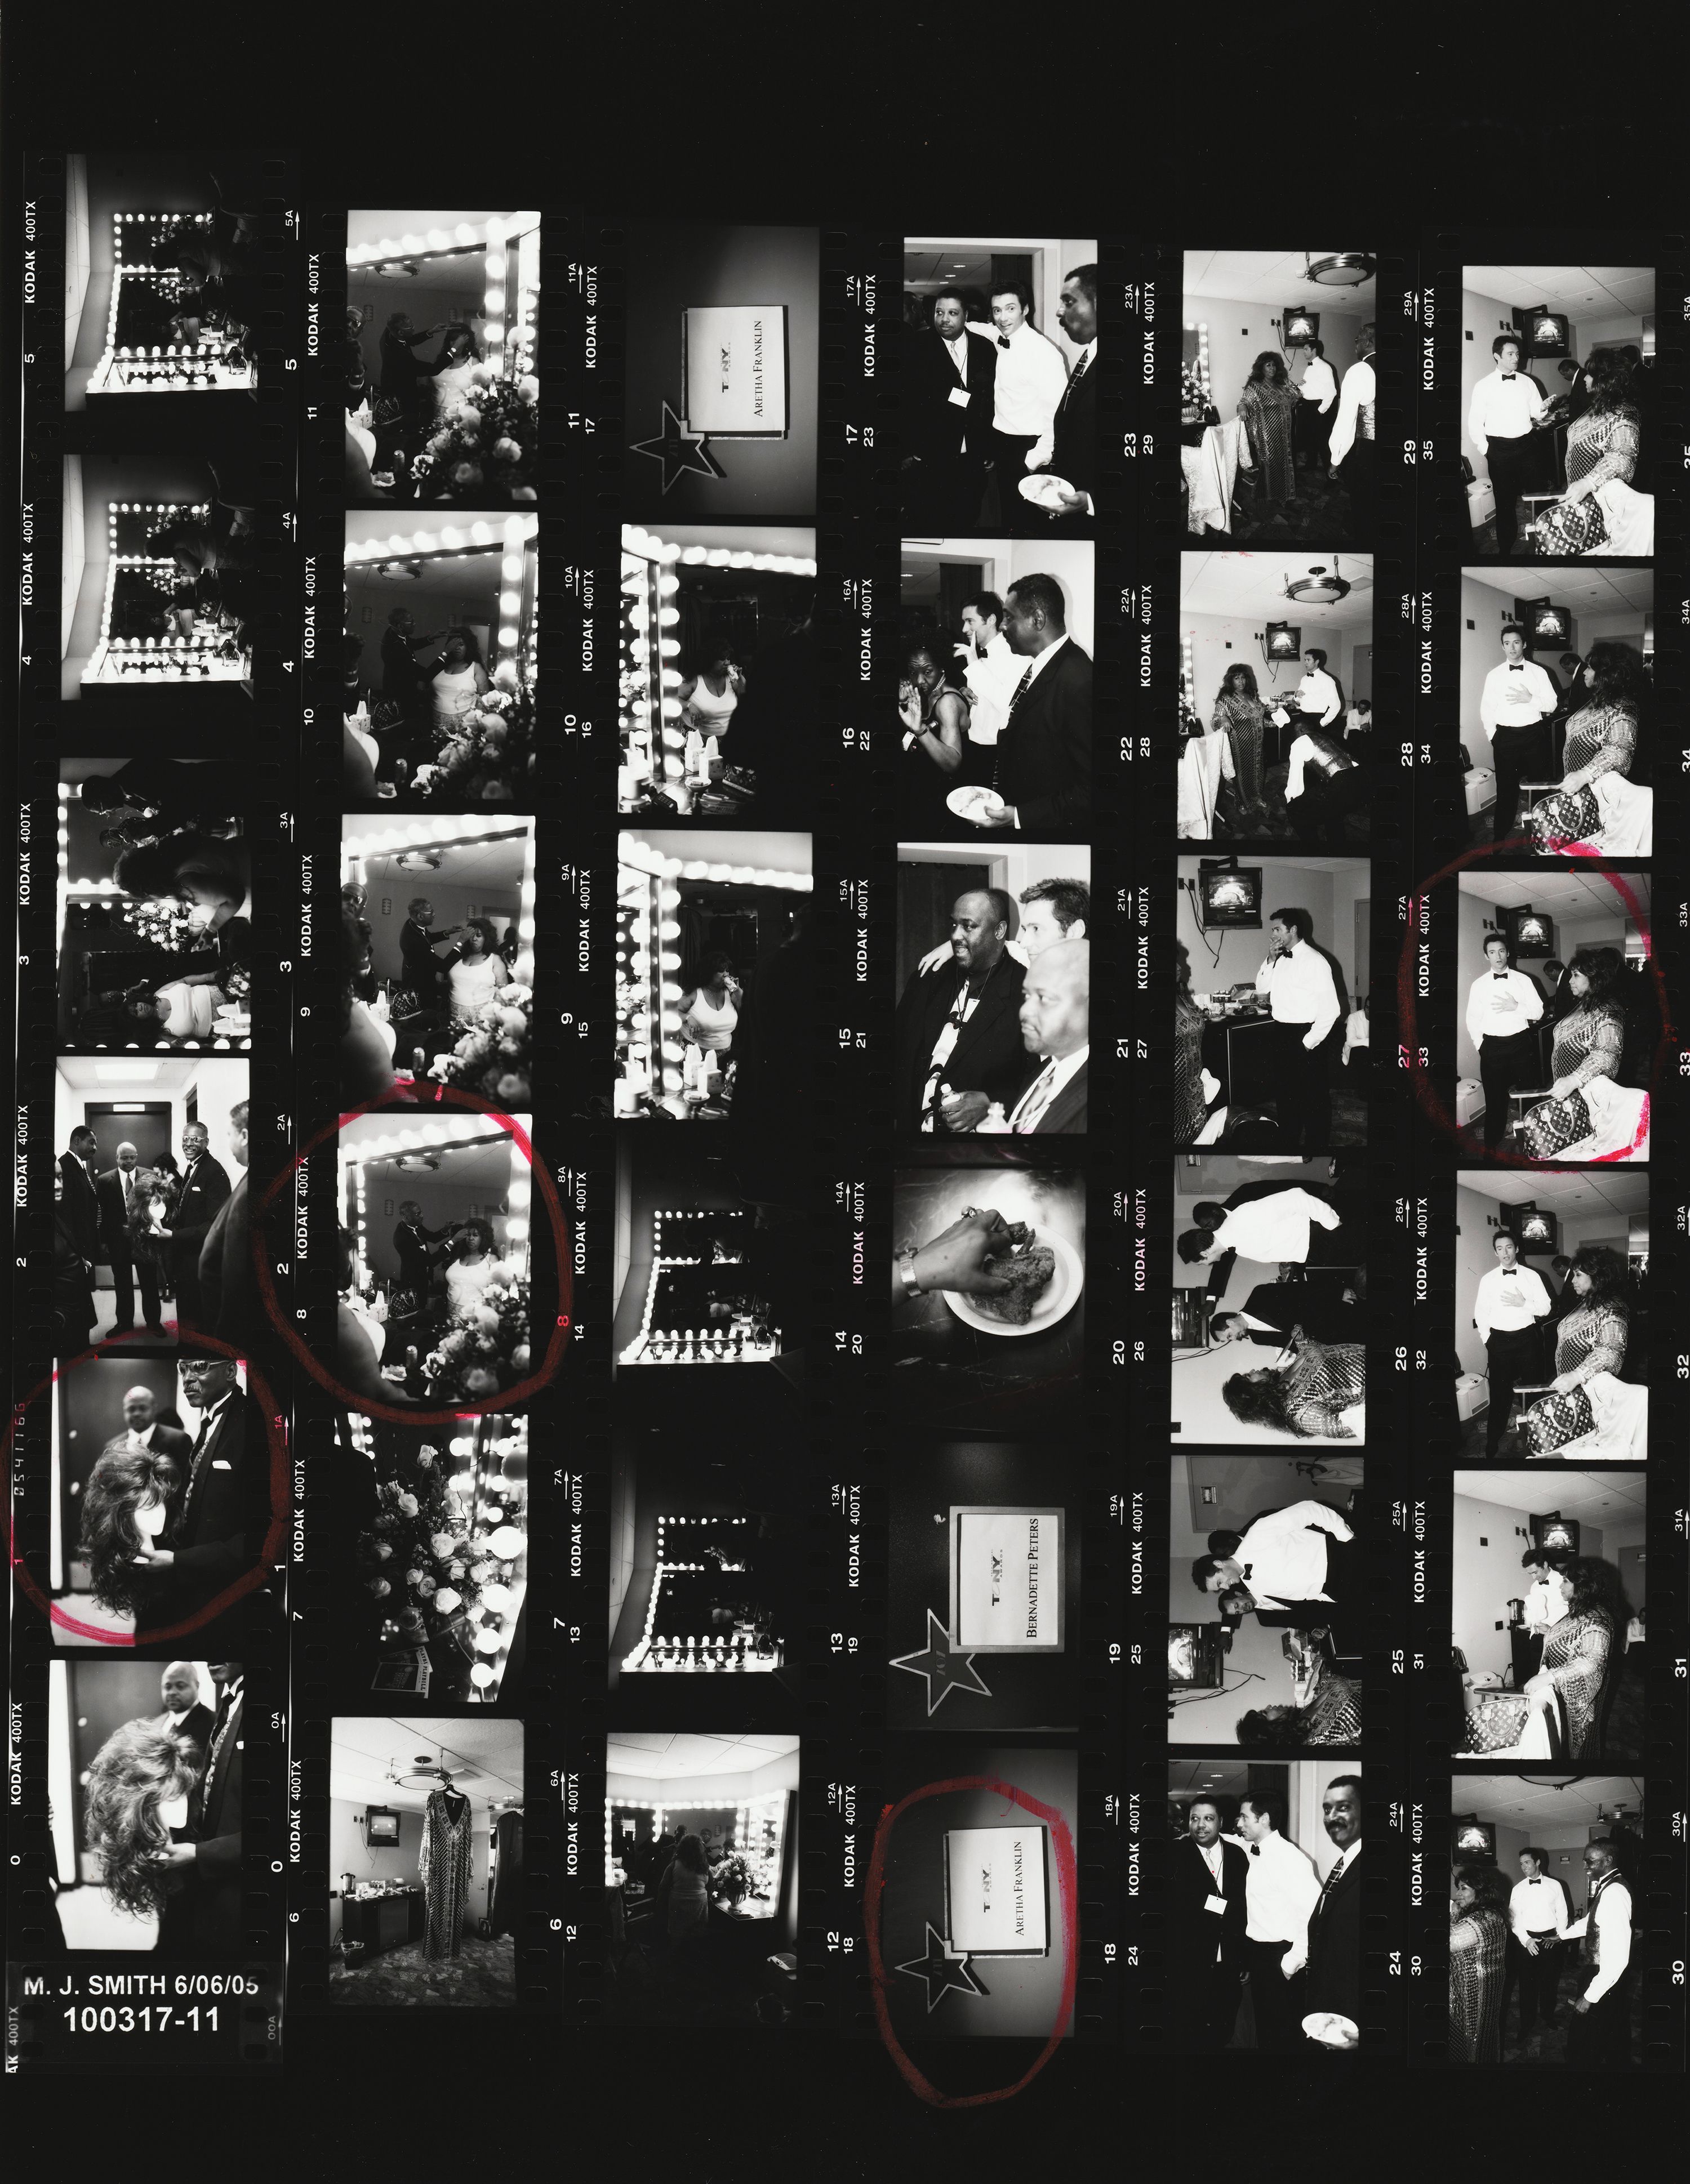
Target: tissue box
column 1472, row 1396
column 1481, row 502
column 1470, row 1100
column 1481, row 789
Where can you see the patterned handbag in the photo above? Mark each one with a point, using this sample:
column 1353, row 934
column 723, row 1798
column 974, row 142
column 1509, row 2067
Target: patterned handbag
column 1496, row 1720
column 1568, row 528
column 1553, row 1422
column 1556, row 1123
column 1566, row 817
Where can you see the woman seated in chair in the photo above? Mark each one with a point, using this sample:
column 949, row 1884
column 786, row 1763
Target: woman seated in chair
column 1587, row 1401
column 1586, row 1107
column 1598, row 805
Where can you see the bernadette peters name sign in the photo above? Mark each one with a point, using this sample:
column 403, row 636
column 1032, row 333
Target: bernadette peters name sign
column 735, row 364
column 1006, row 1579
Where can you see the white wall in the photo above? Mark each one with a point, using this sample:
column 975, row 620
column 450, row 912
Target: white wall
column 1329, row 897
column 780, row 1773
column 73, row 553
column 1239, row 332
column 77, row 250
column 1487, row 1540
column 1219, row 642
column 1072, row 562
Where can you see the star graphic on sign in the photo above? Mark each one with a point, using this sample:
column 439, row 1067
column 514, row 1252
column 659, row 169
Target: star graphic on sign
column 946, row 1669
column 944, row 1968
column 678, row 450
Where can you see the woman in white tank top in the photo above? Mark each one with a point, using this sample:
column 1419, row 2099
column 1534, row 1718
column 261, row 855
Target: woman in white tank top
column 710, row 1011
column 460, row 680
column 709, row 699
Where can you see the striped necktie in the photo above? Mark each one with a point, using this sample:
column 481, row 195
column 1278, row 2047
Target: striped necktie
column 1021, row 689
column 1036, row 1100
column 1075, row 378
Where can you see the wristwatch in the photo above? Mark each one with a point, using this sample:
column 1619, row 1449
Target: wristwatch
column 906, row 1267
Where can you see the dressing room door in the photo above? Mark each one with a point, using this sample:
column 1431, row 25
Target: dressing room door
column 146, row 1125
column 1361, row 672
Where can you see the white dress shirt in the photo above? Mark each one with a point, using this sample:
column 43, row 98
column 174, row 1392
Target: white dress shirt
column 1031, row 377
column 1488, row 1016
column 1040, row 1093
column 1286, row 1559
column 1509, row 1298
column 1612, row 1912
column 1269, row 1230
column 1503, row 408
column 134, row 1442
column 1318, row 384
column 1517, row 694
column 1280, row 1892
column 992, row 678
column 1317, row 693
column 1299, row 989
column 1359, row 390
column 1537, row 1906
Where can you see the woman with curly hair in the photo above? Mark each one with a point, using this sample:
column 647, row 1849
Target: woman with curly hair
column 1191, row 1095
column 1478, row 1957
column 1586, row 1100
column 1598, row 805
column 1268, row 407
column 1604, row 442
column 1242, row 719
column 479, row 972
column 1586, row 1396
column 1328, row 1715
column 459, row 683
column 684, row 1892
column 129, row 1502
column 1578, row 1656
column 1318, row 1396
column 474, row 1265
column 135, row 1807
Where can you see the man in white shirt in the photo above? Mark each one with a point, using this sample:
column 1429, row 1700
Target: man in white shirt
column 1507, row 404
column 1600, row 2035
column 1296, row 982
column 1272, row 1227
column 1353, row 444
column 990, row 669
column 1279, row 1894
column 1318, row 703
column 1056, row 1022
column 1031, row 381
column 1287, row 1559
column 1511, row 1306
column 1538, row 1916
column 1502, row 1004
column 1318, row 390
column 1516, row 708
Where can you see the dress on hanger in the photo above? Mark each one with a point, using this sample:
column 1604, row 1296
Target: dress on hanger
column 445, row 1872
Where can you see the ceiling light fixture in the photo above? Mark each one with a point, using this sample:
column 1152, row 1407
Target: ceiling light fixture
column 1316, row 588
column 1344, row 268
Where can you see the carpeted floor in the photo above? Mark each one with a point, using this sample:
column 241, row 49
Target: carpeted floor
column 1321, row 510
column 482, row 1975
column 1548, row 2045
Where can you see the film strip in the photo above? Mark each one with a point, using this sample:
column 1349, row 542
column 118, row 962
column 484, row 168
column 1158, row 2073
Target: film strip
column 687, row 771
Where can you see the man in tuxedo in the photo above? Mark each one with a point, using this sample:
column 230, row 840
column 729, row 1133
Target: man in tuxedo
column 80, row 1205
column 424, row 970
column 1071, row 453
column 226, row 1513
column 1271, row 1223
column 185, row 1713
column 228, row 1287
column 114, row 1188
column 204, row 1191
column 1334, row 1983
column 1280, row 1894
column 1042, row 764
column 143, row 1428
column 1056, row 1025
column 1206, row 1883
column 1292, row 1568
column 1272, row 1309
column 951, row 373
column 957, row 1031
column 209, row 1860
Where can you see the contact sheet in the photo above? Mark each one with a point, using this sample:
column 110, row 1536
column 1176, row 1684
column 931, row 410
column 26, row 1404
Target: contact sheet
column 849, row 1162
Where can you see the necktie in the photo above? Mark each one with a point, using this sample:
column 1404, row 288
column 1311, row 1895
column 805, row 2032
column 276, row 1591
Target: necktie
column 1036, row 1099
column 1075, row 378
column 1021, row 689
column 1327, row 1886
column 195, row 1470
column 1003, row 341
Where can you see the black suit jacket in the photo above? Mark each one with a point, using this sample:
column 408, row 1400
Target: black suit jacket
column 167, row 1440
column 81, row 1207
column 113, row 1215
column 221, row 1532
column 1043, row 755
column 202, row 1199
column 1335, row 1946
column 1065, row 1117
column 939, row 425
column 1286, row 1305
column 228, row 1289
column 213, row 1815
column 1191, row 1931
column 423, row 968
column 196, row 1725
column 988, row 1056
column 1074, row 433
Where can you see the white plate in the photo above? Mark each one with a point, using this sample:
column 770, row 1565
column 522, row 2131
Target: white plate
column 1061, row 1295
column 971, row 798
column 1331, row 2029
column 1044, row 489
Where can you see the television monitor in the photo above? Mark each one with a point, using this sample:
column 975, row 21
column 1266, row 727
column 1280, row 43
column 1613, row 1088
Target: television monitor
column 1545, row 332
column 1473, row 1839
column 1230, row 896
column 1283, row 640
column 1301, row 326
column 1548, row 626
column 1195, row 1660
column 1536, row 1231
column 380, row 1825
column 1530, row 934
column 1556, row 1534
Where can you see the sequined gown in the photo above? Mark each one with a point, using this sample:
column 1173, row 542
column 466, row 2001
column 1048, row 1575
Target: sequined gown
column 1334, row 1716
column 445, row 1863
column 1268, row 414
column 1478, row 1956
column 1326, row 1380
column 1588, row 1043
column 1243, row 721
column 1190, row 1108
column 1576, row 1650
column 1600, row 739
column 1591, row 1339
column 1602, row 445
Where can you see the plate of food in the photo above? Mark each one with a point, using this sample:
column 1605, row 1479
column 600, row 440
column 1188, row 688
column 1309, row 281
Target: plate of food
column 1330, row 2028
column 1046, row 490
column 1045, row 1275
column 973, row 802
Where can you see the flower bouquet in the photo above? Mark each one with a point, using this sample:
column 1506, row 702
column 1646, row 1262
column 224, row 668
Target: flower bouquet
column 488, row 755
column 485, row 1349
column 731, row 1880
column 163, row 921
column 488, row 444
column 493, row 1054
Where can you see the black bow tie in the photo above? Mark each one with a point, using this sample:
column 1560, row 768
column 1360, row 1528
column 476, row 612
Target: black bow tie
column 1255, row 1850
column 1003, row 341
column 1245, row 1572
column 1507, row 376
column 1499, row 974
column 1516, row 667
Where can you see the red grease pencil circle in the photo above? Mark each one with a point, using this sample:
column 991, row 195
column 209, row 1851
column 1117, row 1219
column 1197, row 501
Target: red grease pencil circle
column 546, row 1194
column 1067, row 1890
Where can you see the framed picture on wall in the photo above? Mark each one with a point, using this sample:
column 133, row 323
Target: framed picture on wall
column 733, row 368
